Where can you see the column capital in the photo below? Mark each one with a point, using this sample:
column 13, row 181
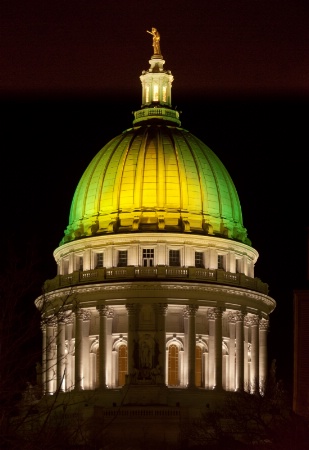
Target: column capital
column 51, row 321
column 264, row 324
column 103, row 310
column 87, row 314
column 252, row 320
column 61, row 318
column 190, row 310
column 235, row 316
column 83, row 314
column 240, row 316
column 214, row 313
column 69, row 319
column 247, row 321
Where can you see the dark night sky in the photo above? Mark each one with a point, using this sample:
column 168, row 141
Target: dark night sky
column 70, row 80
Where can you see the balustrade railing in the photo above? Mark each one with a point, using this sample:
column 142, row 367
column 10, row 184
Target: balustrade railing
column 158, row 272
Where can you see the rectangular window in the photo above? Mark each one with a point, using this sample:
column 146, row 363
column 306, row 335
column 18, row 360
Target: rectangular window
column 174, row 258
column 100, row 261
column 147, row 94
column 122, row 258
column 199, row 259
column 81, row 263
column 220, row 262
column 148, row 257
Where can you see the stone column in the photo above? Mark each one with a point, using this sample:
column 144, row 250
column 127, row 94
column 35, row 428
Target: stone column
column 263, row 329
column 51, row 361
column 114, row 368
column 190, row 312
column 79, row 315
column 161, row 311
column 85, row 351
column 215, row 348
column 69, row 382
column 247, row 351
column 231, row 385
column 108, row 346
column 239, row 317
column 61, row 353
column 43, row 371
column 216, row 315
column 87, row 259
column 254, row 372
column 181, row 368
column 211, row 349
column 131, row 308
column 103, row 312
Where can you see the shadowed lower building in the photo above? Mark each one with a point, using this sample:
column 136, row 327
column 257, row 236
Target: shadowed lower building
column 155, row 310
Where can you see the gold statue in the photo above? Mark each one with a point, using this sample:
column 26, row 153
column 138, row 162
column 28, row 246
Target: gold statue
column 155, row 41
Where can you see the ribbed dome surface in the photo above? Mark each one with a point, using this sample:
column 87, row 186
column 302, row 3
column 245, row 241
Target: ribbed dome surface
column 156, row 177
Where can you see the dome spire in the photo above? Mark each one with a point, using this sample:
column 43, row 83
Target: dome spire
column 156, row 89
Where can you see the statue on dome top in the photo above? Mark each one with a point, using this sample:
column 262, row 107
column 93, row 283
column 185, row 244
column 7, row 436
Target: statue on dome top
column 155, row 41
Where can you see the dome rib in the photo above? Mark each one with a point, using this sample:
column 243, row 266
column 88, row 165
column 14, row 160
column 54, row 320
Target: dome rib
column 122, row 166
column 161, row 171
column 192, row 176
column 101, row 177
column 179, row 164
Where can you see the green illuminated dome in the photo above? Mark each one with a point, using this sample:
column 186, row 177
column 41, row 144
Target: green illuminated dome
column 156, row 176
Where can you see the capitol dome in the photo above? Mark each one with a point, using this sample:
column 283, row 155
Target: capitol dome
column 156, row 176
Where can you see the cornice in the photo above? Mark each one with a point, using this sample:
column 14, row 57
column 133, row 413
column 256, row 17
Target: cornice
column 182, row 292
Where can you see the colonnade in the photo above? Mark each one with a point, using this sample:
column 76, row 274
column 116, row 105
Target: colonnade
column 235, row 362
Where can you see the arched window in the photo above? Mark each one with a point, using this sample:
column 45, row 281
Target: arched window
column 173, row 365
column 122, row 364
column 198, row 366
